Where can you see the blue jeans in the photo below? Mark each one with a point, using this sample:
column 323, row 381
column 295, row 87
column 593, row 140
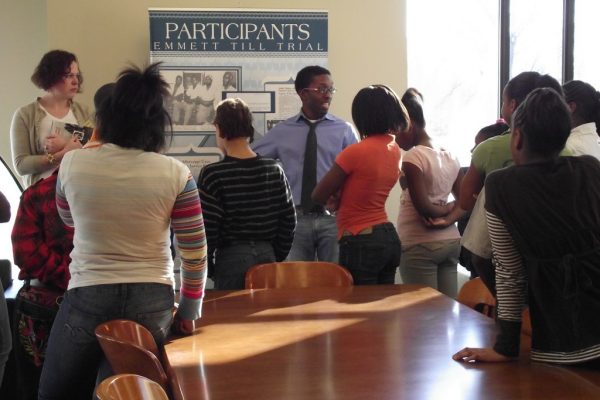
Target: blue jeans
column 315, row 238
column 372, row 258
column 232, row 262
column 74, row 355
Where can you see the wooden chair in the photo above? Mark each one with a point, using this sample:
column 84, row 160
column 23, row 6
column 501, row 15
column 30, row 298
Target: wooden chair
column 297, row 274
column 130, row 349
column 130, row 387
column 476, row 295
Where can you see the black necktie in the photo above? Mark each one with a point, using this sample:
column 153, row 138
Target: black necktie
column 309, row 170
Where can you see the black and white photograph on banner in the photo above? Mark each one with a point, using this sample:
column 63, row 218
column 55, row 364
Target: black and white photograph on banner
column 195, row 94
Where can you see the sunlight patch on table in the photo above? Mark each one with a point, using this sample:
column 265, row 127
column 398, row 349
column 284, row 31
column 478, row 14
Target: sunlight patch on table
column 233, row 342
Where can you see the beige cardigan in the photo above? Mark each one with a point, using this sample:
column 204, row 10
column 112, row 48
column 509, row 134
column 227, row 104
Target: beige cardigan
column 28, row 156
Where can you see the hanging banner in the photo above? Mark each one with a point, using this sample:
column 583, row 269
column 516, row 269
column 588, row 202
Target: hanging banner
column 210, row 54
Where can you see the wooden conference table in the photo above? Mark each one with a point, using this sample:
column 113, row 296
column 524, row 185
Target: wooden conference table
column 363, row 342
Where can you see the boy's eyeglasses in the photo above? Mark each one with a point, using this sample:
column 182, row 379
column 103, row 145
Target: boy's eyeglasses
column 322, row 90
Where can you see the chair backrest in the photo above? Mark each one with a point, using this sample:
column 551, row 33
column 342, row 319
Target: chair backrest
column 131, row 349
column 476, row 295
column 297, row 274
column 130, row 331
column 130, row 387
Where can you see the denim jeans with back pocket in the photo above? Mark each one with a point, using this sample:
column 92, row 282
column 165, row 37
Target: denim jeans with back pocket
column 233, row 261
column 372, row 258
column 74, row 355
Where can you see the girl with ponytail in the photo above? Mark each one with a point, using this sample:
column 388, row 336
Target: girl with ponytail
column 584, row 102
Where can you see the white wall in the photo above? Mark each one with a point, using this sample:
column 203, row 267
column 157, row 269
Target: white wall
column 23, row 40
column 366, row 44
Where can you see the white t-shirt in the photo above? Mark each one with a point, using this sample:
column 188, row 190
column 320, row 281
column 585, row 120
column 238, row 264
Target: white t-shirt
column 49, row 123
column 121, row 202
column 440, row 169
column 584, row 140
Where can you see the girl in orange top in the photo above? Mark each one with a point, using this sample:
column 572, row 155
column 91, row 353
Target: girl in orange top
column 363, row 175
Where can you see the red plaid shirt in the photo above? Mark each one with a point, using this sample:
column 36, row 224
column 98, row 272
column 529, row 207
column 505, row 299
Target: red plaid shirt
column 41, row 241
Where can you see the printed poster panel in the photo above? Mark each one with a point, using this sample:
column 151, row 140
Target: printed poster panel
column 196, row 157
column 211, row 54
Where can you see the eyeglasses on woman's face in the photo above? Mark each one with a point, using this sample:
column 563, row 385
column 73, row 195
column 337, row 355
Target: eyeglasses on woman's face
column 67, row 77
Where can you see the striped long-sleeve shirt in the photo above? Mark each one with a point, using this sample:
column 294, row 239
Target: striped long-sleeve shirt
column 544, row 225
column 188, row 226
column 247, row 199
